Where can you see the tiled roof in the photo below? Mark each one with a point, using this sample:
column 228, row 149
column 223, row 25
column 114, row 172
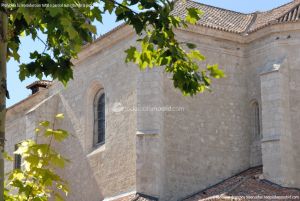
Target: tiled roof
column 216, row 18
column 246, row 186
column 240, row 23
column 136, row 197
column 274, row 16
column 292, row 15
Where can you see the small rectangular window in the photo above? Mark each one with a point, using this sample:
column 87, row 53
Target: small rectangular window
column 17, row 159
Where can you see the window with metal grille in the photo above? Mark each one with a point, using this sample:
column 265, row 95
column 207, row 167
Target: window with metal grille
column 99, row 118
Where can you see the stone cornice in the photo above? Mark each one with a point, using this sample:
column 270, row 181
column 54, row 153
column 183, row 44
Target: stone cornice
column 124, row 31
column 104, row 42
column 24, row 105
column 244, row 39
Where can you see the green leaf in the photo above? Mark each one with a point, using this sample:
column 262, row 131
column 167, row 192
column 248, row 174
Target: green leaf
column 195, row 54
column 21, row 150
column 26, row 13
column 18, row 175
column 193, row 15
column 43, row 27
column 96, row 13
column 68, row 27
column 215, row 72
column 131, row 54
column 58, row 197
column 138, row 24
column 13, row 49
column 7, row 156
column 109, row 6
column 23, row 33
column 191, row 45
column 16, row 56
column 60, row 116
column 141, row 7
column 175, row 21
column 44, row 123
column 37, row 130
column 55, row 11
column 60, row 134
column 58, row 161
column 32, row 161
column 37, row 179
column 89, row 27
column 48, row 132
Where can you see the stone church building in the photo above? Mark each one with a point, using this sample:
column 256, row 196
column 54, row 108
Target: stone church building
column 133, row 132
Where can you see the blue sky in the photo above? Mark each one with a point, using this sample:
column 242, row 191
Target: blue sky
column 17, row 89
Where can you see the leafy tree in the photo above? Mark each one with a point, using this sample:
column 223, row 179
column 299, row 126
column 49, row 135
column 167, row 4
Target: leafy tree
column 66, row 29
column 37, row 179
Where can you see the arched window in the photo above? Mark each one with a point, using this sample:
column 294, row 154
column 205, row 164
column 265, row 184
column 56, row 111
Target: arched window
column 99, row 118
column 256, row 120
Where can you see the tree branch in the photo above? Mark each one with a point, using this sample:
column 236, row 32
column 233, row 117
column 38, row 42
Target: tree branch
column 126, row 7
column 7, row 11
column 2, row 9
column 47, row 155
column 42, row 42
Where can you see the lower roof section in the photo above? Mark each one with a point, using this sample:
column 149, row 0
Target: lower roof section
column 248, row 185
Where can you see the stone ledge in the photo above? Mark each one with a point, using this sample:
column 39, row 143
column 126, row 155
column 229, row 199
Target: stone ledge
column 271, row 138
column 97, row 150
column 121, row 196
column 147, row 132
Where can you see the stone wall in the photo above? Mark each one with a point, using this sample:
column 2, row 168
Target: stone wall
column 149, row 140
column 209, row 141
column 275, row 57
column 17, row 122
column 108, row 170
column 294, row 85
column 174, row 154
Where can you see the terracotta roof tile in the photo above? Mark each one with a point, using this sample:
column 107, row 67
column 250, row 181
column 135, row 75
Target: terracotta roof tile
column 292, row 15
column 136, row 197
column 247, row 186
column 271, row 17
column 240, row 23
column 216, row 18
